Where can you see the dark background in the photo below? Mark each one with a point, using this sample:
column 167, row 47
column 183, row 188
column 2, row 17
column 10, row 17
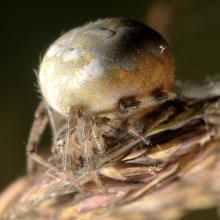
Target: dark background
column 29, row 27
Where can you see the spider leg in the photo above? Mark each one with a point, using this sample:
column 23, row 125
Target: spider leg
column 56, row 120
column 123, row 126
column 104, row 129
column 132, row 103
column 39, row 124
column 98, row 139
column 88, row 150
column 58, row 144
column 71, row 153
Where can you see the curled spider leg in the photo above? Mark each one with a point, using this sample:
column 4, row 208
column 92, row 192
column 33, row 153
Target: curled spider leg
column 104, row 128
column 71, row 153
column 131, row 103
column 39, row 124
column 123, row 126
column 88, row 150
column 98, row 139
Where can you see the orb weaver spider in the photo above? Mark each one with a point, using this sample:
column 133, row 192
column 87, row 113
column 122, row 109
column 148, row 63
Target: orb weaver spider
column 102, row 77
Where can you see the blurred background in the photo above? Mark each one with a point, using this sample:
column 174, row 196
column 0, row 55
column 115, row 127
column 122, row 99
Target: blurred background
column 29, row 27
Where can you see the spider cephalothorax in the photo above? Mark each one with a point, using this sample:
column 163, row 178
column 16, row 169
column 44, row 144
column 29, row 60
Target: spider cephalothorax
column 103, row 76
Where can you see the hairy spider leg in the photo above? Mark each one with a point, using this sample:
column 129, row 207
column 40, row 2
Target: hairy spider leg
column 71, row 151
column 98, row 140
column 104, row 128
column 122, row 126
column 88, row 149
column 39, row 124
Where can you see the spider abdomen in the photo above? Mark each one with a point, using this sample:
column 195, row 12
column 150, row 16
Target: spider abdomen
column 97, row 65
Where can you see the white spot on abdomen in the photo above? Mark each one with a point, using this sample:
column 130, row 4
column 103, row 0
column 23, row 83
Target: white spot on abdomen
column 90, row 71
column 162, row 48
column 51, row 69
column 42, row 78
column 56, row 82
column 105, row 33
column 64, row 80
column 54, row 48
column 50, row 93
column 70, row 76
column 93, row 68
column 72, row 55
column 59, row 53
column 75, row 82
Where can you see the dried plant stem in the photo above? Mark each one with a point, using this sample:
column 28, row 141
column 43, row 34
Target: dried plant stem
column 179, row 172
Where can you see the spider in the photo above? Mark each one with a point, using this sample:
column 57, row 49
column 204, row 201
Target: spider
column 101, row 77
